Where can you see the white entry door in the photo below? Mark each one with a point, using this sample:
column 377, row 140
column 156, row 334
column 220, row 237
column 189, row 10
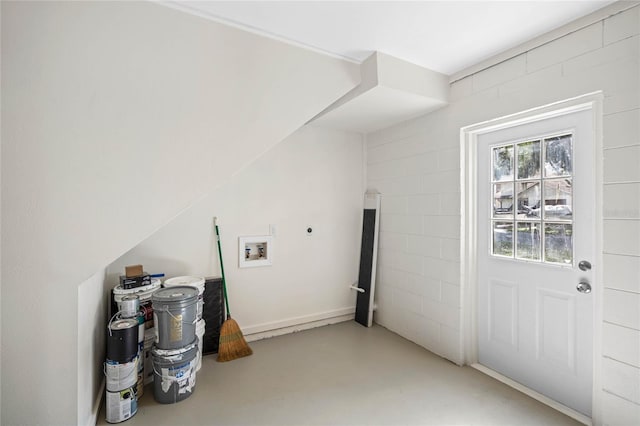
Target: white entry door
column 535, row 234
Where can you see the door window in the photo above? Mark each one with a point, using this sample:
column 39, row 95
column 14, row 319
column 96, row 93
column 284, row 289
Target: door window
column 532, row 190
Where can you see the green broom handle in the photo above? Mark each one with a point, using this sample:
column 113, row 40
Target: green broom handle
column 224, row 283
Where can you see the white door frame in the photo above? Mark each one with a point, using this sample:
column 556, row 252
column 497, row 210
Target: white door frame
column 468, row 157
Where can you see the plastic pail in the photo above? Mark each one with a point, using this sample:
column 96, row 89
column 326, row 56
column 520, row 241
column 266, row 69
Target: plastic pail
column 197, row 282
column 174, row 311
column 174, row 373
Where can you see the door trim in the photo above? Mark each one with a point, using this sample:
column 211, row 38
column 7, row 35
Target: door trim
column 468, row 265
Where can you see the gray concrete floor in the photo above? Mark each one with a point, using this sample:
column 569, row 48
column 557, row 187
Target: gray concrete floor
column 344, row 374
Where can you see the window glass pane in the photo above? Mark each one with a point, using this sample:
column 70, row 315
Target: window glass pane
column 558, row 199
column 558, row 157
column 558, row 243
column 503, row 163
column 528, row 246
column 503, row 238
column 503, row 200
column 532, row 185
column 529, row 160
column 528, row 199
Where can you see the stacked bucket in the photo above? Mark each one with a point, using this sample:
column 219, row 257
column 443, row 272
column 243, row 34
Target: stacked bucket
column 129, row 307
column 147, row 332
column 121, row 367
column 176, row 352
column 199, row 284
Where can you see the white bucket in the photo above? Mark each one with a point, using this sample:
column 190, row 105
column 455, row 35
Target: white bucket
column 197, row 282
column 149, row 338
column 120, row 405
column 200, row 335
column 121, row 375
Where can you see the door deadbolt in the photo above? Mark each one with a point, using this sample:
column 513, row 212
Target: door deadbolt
column 584, row 265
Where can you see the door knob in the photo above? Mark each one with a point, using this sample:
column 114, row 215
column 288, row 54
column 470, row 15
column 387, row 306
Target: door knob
column 584, row 287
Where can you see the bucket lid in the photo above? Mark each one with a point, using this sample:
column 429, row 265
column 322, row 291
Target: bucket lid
column 186, row 280
column 175, row 294
column 171, row 352
column 121, row 324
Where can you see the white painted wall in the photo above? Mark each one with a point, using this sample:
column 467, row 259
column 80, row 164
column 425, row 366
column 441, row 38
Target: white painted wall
column 92, row 319
column 314, row 177
column 416, row 167
column 116, row 117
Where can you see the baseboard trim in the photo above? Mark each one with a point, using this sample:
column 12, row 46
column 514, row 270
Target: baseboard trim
column 292, row 325
column 535, row 395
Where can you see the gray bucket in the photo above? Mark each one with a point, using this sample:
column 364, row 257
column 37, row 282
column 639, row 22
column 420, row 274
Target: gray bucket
column 174, row 373
column 174, row 312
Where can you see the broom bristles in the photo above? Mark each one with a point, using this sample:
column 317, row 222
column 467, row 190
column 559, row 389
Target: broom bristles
column 232, row 344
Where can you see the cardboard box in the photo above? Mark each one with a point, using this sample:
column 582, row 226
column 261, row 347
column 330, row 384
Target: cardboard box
column 133, row 271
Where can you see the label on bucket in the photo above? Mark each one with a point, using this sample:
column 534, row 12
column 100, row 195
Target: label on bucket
column 121, row 405
column 121, row 376
column 183, row 375
column 147, row 309
column 175, row 331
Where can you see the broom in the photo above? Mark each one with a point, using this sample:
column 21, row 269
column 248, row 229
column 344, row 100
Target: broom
column 232, row 344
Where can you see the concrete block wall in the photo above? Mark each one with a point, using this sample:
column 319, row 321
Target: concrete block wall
column 418, row 272
column 416, row 167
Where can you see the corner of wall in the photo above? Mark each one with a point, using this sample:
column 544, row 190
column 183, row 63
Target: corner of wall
column 93, row 308
column 313, row 177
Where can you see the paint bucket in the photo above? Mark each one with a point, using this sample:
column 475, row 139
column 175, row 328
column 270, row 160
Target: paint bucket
column 174, row 311
column 121, row 405
column 200, row 335
column 197, row 282
column 141, row 335
column 144, row 295
column 121, row 375
column 129, row 306
column 174, row 373
column 139, row 387
column 122, row 340
column 149, row 338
